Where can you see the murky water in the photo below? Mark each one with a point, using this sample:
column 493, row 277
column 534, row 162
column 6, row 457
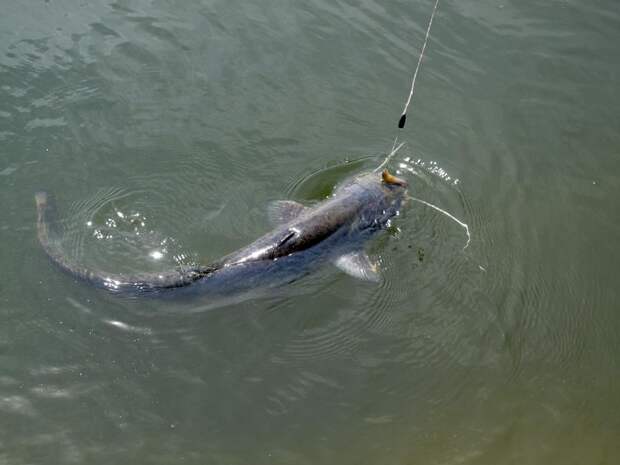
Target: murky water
column 164, row 128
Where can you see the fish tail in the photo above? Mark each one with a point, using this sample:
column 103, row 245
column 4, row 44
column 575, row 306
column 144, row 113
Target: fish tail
column 48, row 236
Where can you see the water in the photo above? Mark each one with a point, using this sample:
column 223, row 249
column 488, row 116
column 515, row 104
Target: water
column 164, row 128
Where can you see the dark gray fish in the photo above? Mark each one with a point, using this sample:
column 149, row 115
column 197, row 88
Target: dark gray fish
column 334, row 230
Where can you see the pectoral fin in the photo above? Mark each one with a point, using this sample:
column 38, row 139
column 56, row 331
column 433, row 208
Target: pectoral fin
column 358, row 265
column 283, row 211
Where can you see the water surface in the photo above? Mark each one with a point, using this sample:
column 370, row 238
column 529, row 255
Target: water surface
column 164, row 128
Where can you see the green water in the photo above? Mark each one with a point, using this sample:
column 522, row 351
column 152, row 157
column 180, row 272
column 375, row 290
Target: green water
column 164, row 128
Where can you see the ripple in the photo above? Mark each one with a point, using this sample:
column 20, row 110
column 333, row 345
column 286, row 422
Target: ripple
column 319, row 184
column 141, row 222
column 17, row 404
column 128, row 327
column 336, row 339
column 439, row 276
column 301, row 386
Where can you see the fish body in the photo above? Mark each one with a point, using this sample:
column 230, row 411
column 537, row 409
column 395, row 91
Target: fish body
column 304, row 238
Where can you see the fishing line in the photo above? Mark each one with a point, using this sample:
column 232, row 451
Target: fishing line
column 390, row 155
column 403, row 117
column 452, row 217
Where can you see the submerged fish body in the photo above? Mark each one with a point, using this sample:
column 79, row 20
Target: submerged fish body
column 304, row 238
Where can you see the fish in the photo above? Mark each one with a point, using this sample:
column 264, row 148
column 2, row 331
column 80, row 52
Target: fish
column 303, row 238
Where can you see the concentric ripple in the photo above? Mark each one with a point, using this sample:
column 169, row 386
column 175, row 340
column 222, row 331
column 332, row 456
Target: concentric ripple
column 163, row 129
column 421, row 258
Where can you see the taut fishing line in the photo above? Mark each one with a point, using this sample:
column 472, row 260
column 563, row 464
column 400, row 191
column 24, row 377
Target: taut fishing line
column 403, row 119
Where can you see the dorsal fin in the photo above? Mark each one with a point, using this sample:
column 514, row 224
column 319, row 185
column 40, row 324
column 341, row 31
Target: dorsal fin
column 283, row 211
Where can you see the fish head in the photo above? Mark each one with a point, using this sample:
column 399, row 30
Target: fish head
column 380, row 197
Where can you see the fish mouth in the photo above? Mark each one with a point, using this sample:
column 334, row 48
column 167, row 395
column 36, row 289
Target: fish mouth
column 393, row 180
